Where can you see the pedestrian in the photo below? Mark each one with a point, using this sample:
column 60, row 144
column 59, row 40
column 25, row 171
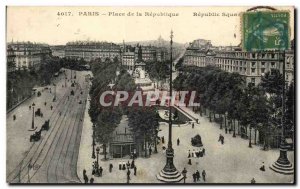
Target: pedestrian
column 193, row 125
column 120, row 166
column 110, row 167
column 262, row 168
column 197, row 121
column 128, row 174
column 193, row 153
column 194, row 177
column 198, row 175
column 222, row 139
column 100, row 171
column 253, row 181
column 203, row 175
column 150, row 151
column 124, row 166
column 128, row 165
column 85, row 177
column 45, row 103
column 29, row 107
column 190, row 161
column 184, row 174
column 14, row 117
column 203, row 151
column 189, row 154
column 178, row 141
column 226, row 130
column 134, row 170
column 132, row 164
column 92, row 180
column 51, row 107
column 163, row 139
column 59, row 113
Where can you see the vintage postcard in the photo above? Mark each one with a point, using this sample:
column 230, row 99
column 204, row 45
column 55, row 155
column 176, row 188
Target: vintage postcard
column 150, row 95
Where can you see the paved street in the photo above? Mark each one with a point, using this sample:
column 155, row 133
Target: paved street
column 233, row 162
column 54, row 157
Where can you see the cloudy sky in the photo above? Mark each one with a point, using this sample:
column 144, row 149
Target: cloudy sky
column 43, row 24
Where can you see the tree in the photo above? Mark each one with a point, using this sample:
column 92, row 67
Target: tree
column 143, row 123
column 289, row 119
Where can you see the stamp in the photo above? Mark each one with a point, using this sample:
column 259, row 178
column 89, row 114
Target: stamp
column 266, row 30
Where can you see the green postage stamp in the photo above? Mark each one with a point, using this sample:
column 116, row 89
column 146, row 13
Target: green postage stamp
column 266, row 30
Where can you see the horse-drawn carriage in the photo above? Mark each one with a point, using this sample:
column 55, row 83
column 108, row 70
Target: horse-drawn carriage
column 38, row 112
column 36, row 136
column 45, row 126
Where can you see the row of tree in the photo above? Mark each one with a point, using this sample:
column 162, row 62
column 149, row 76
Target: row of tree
column 21, row 81
column 109, row 75
column 227, row 95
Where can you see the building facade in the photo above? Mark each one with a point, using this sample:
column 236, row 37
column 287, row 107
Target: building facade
column 92, row 50
column 128, row 60
column 10, row 59
column 29, row 55
column 253, row 65
column 58, row 51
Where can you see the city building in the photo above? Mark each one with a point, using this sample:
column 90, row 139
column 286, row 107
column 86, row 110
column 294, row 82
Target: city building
column 128, row 60
column 58, row 51
column 92, row 50
column 10, row 59
column 147, row 53
column 253, row 65
column 29, row 55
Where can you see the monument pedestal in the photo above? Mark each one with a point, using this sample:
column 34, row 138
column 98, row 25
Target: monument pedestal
column 283, row 165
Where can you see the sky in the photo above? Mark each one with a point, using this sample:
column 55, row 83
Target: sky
column 221, row 25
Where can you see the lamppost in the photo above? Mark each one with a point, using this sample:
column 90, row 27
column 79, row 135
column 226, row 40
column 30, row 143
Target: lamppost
column 93, row 153
column 233, row 128
column 250, row 145
column 283, row 165
column 98, row 151
column 54, row 99
column 32, row 125
column 169, row 172
column 96, row 165
column 155, row 141
column 225, row 124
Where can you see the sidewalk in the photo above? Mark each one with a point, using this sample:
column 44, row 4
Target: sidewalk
column 232, row 162
column 17, row 131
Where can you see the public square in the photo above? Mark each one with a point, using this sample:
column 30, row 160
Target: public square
column 233, row 162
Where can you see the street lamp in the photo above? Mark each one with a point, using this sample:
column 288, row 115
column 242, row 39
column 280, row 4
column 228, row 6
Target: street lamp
column 155, row 141
column 32, row 125
column 226, row 113
column 169, row 172
column 233, row 128
column 93, row 153
column 283, row 165
column 54, row 92
column 250, row 145
column 97, row 150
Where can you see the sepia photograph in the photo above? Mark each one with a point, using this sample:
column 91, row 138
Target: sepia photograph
column 184, row 95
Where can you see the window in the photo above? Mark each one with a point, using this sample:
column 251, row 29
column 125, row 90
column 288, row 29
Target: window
column 253, row 64
column 252, row 70
column 253, row 80
column 263, row 64
column 272, row 64
column 253, row 55
column 263, row 70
